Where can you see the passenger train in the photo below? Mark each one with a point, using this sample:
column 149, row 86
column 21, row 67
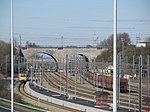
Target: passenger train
column 23, row 77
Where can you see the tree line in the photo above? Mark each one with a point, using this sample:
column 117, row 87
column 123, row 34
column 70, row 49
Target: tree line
column 5, row 68
column 4, row 51
column 123, row 43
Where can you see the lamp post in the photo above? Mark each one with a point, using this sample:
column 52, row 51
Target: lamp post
column 12, row 58
column 114, row 59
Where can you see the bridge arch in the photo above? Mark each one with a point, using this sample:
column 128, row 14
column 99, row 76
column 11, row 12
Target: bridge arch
column 86, row 60
column 85, row 57
column 48, row 54
column 78, row 61
column 44, row 53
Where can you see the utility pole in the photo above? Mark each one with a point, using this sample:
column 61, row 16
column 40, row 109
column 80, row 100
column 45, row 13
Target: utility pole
column 126, row 65
column 84, row 68
column 129, row 93
column 123, row 57
column 75, row 61
column 62, row 41
column 42, row 72
column 103, row 66
column 133, row 68
column 19, row 57
column 92, row 65
column 59, row 68
column 140, row 84
column 147, row 75
column 94, row 39
column 31, row 69
column 6, row 67
column 118, row 72
column 80, row 68
column 67, row 75
column 129, row 81
column 19, row 63
column 20, row 41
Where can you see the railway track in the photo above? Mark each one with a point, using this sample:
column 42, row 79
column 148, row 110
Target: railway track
column 124, row 97
column 71, row 88
column 60, row 107
column 72, row 84
column 134, row 86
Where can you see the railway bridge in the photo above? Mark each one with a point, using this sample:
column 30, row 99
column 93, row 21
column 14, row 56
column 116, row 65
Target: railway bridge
column 57, row 53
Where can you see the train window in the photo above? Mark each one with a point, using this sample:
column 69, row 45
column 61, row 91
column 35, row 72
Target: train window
column 23, row 75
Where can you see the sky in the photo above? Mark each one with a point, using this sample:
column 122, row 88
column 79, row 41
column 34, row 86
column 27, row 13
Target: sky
column 79, row 22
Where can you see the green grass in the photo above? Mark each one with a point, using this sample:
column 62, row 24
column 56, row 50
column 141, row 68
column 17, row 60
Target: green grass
column 22, row 107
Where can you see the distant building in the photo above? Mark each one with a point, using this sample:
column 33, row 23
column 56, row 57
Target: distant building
column 143, row 44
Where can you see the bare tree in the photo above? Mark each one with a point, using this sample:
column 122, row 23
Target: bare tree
column 108, row 43
column 122, row 38
column 148, row 39
column 30, row 44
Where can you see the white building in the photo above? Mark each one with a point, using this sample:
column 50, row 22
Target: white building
column 141, row 44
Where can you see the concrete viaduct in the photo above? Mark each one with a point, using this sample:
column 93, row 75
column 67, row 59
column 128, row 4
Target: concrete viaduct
column 57, row 53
